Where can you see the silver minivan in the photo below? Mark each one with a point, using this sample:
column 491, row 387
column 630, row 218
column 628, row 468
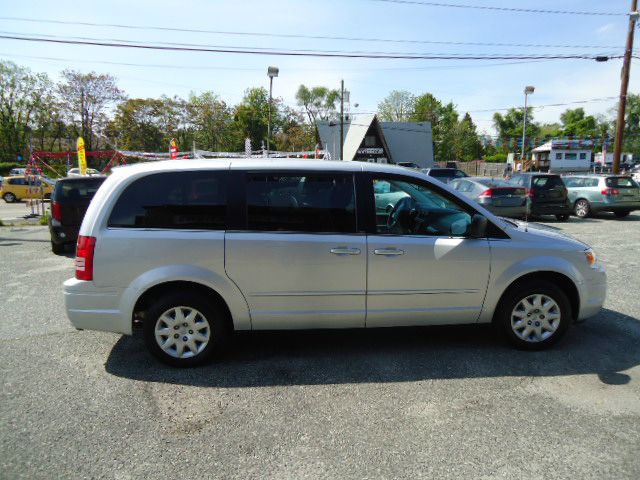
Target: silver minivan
column 195, row 250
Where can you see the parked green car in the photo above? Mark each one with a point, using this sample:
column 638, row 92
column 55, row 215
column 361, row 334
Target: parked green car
column 603, row 193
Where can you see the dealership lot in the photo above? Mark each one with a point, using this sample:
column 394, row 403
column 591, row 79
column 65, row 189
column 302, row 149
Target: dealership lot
column 408, row 403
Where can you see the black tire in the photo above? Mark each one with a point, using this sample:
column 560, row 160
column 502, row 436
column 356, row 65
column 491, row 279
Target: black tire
column 216, row 317
column 47, row 196
column 57, row 248
column 582, row 208
column 562, row 218
column 9, row 197
column 514, row 296
column 622, row 214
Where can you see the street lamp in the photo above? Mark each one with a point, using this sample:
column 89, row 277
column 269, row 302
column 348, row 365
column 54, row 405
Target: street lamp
column 528, row 90
column 271, row 72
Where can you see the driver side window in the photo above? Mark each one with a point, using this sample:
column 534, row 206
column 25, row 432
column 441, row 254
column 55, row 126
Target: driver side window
column 404, row 207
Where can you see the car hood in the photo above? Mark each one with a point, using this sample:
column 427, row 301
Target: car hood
column 539, row 232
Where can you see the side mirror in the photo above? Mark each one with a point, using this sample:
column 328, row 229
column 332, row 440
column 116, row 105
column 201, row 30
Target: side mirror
column 478, row 227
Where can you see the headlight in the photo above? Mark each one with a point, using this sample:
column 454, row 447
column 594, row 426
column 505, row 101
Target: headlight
column 590, row 256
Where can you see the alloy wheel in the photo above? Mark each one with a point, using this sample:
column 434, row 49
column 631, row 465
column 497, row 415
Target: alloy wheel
column 582, row 208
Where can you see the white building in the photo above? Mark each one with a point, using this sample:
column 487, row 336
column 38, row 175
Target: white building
column 624, row 158
column 562, row 156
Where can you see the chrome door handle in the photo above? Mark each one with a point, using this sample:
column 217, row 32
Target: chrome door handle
column 388, row 251
column 345, row 251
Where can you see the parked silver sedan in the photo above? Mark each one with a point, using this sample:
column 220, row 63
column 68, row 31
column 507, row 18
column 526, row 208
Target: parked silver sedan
column 495, row 194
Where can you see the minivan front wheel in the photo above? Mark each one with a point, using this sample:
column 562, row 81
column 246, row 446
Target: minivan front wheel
column 9, row 197
column 535, row 315
column 184, row 329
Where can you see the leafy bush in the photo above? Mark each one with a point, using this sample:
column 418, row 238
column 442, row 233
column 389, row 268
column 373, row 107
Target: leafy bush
column 5, row 167
column 498, row 158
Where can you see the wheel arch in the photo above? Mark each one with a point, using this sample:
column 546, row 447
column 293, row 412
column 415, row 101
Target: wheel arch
column 565, row 283
column 148, row 296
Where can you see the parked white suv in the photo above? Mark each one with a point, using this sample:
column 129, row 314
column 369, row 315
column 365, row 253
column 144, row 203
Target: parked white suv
column 195, row 250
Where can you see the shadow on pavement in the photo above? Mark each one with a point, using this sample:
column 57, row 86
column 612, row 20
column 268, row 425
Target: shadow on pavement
column 605, row 345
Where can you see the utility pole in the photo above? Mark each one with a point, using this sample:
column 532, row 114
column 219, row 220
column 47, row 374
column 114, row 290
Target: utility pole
column 626, row 67
column 341, row 119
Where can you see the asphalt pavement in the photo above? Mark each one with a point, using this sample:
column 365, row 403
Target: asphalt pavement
column 404, row 403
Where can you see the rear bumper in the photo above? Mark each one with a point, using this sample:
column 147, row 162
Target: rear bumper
column 62, row 233
column 516, row 212
column 92, row 308
column 553, row 209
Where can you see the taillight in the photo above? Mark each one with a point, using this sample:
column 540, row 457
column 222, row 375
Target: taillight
column 84, row 257
column 610, row 192
column 531, row 192
column 486, row 194
column 56, row 211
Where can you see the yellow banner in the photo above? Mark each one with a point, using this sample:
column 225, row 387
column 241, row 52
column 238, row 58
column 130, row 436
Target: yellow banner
column 82, row 157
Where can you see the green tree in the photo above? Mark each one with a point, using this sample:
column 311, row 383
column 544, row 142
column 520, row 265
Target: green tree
column 576, row 124
column 509, row 127
column 318, row 102
column 466, row 143
column 252, row 115
column 23, row 96
column 86, row 98
column 137, row 125
column 398, row 106
column 212, row 121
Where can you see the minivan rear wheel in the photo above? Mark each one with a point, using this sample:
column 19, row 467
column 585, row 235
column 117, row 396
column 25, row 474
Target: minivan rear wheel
column 184, row 329
column 534, row 315
column 9, row 197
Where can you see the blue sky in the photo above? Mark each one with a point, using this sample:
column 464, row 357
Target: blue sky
column 472, row 86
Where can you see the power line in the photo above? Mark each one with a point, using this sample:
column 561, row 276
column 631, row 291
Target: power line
column 564, row 104
column 293, row 35
column 225, row 68
column 296, row 53
column 500, row 9
column 199, row 45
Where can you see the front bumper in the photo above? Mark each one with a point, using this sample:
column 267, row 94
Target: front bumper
column 93, row 308
column 593, row 293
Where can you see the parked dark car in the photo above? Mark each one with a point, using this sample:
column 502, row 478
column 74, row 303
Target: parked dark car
column 547, row 193
column 494, row 194
column 445, row 175
column 69, row 202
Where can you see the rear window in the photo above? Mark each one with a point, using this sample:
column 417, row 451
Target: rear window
column 621, row 182
column 175, row 200
column 442, row 173
column 547, row 182
column 77, row 190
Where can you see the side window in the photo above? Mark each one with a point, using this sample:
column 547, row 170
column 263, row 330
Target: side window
column 314, row 202
column 558, row 156
column 177, row 200
column 416, row 209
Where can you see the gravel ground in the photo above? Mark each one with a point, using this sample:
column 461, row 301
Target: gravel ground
column 406, row 403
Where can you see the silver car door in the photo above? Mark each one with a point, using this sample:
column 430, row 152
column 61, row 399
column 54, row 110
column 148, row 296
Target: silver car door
column 422, row 268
